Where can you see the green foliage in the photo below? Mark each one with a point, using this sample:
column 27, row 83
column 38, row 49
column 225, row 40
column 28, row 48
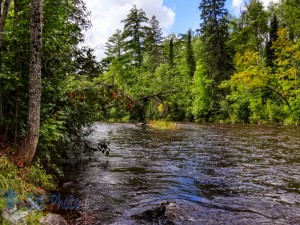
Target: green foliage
column 37, row 176
column 202, row 92
column 134, row 34
column 215, row 35
column 190, row 58
column 153, row 41
column 34, row 218
column 23, row 181
column 266, row 94
column 247, row 71
column 290, row 12
column 115, row 45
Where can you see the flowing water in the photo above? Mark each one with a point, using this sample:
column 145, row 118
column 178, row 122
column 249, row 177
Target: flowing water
column 222, row 174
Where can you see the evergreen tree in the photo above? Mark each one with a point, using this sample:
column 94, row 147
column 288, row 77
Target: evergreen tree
column 114, row 45
column 214, row 30
column 153, row 44
column 190, row 58
column 270, row 52
column 171, row 52
column 134, row 34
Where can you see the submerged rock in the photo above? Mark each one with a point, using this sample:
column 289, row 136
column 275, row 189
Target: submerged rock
column 177, row 212
column 154, row 215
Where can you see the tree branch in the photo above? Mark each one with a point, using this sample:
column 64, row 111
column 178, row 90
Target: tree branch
column 283, row 98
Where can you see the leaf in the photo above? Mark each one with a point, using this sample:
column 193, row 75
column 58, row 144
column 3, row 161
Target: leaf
column 20, row 164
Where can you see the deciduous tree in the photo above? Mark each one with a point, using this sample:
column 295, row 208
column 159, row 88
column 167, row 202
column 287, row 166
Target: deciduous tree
column 28, row 149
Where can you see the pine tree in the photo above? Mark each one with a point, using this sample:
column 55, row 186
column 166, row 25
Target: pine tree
column 190, row 58
column 171, row 52
column 115, row 45
column 214, row 30
column 153, row 44
column 134, row 34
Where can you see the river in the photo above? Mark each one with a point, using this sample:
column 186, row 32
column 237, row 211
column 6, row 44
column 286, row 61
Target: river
column 219, row 174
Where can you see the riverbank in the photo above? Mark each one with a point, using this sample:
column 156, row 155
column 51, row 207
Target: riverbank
column 23, row 191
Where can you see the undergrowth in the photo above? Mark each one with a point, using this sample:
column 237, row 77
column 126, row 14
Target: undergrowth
column 24, row 181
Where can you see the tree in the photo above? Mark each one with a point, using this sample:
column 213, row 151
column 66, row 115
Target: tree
column 201, row 88
column 153, row 44
column 4, row 9
column 214, row 30
column 134, row 34
column 114, row 45
column 216, row 53
column 290, row 11
column 190, row 58
column 256, row 25
column 250, row 30
column 171, row 52
column 28, row 149
column 270, row 52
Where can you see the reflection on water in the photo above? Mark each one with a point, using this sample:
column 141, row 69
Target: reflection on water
column 234, row 174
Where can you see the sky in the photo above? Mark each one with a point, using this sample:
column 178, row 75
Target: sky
column 174, row 16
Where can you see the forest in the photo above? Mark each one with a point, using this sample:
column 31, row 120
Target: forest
column 241, row 69
column 232, row 70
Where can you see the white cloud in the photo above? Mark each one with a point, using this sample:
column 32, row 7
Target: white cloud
column 238, row 5
column 107, row 15
column 267, row 2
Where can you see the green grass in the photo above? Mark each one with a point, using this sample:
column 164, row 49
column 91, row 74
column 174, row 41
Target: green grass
column 163, row 125
column 23, row 181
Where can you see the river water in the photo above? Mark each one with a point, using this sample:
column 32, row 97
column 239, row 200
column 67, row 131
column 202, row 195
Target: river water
column 223, row 174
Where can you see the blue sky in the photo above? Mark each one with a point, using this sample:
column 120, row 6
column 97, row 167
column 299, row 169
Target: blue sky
column 187, row 13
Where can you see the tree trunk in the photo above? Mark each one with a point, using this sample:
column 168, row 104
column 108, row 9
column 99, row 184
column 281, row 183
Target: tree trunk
column 4, row 9
column 28, row 149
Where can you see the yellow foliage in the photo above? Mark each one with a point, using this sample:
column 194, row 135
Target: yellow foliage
column 161, row 108
column 251, row 73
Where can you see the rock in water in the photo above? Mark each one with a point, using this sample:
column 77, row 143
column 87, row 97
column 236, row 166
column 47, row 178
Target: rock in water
column 155, row 215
